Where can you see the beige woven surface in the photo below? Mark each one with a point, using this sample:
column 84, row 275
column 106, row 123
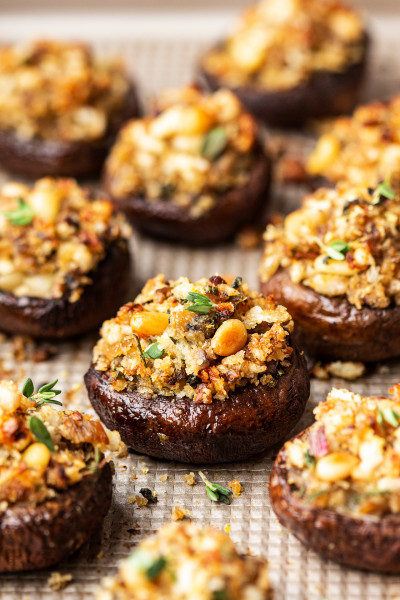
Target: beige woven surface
column 295, row 573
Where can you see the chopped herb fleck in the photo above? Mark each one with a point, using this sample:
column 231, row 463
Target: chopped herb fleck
column 337, row 250
column 23, row 215
column 388, row 415
column 314, row 495
column 40, row 432
column 142, row 356
column 156, row 568
column 237, row 282
column 384, row 190
column 309, row 460
column 220, row 595
column 216, row 492
column 214, row 143
column 154, row 351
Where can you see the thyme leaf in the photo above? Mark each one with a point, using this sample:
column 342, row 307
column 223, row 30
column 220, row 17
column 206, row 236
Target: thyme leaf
column 40, row 432
column 216, row 492
column 337, row 250
column 154, row 351
column 384, row 189
column 201, row 304
column 214, row 143
column 237, row 282
column 23, row 215
column 309, row 460
column 388, row 415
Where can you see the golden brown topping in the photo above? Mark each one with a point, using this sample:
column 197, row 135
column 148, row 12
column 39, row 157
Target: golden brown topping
column 52, row 235
column 196, row 340
column 187, row 562
column 195, row 148
column 58, row 91
column 362, row 148
column 280, row 43
column 44, row 450
column 343, row 241
column 349, row 460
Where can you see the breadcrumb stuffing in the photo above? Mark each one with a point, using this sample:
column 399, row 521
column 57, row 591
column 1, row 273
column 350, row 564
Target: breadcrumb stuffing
column 179, row 513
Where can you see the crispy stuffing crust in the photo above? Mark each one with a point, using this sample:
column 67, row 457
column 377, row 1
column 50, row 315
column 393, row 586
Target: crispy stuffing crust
column 241, row 339
column 194, row 149
column 368, row 222
column 279, row 44
column 58, row 91
column 184, row 561
column 79, row 442
column 362, row 148
column 349, row 459
column 69, row 235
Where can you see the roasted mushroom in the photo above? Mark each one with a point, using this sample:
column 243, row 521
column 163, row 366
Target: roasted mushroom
column 334, row 265
column 194, row 172
column 290, row 61
column 61, row 108
column 198, row 372
column 188, row 562
column 360, row 149
column 61, row 253
column 336, row 486
column 55, row 485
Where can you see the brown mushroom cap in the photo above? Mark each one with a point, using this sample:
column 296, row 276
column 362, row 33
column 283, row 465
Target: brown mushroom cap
column 356, row 542
column 250, row 421
column 37, row 157
column 34, row 537
column 325, row 94
column 59, row 318
column 332, row 328
column 233, row 209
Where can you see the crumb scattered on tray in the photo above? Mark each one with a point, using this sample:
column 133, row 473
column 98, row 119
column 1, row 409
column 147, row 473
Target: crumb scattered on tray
column 179, row 513
column 58, row 582
column 249, row 237
column 100, row 554
column 227, row 528
column 236, row 487
column 150, row 496
column 189, row 478
column 164, row 477
column 139, row 500
column 343, row 369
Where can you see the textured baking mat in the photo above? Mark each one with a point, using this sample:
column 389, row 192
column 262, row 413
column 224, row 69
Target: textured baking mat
column 295, row 573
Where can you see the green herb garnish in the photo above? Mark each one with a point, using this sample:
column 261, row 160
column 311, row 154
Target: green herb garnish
column 220, row 595
column 23, row 215
column 384, row 189
column 216, row 492
column 201, row 304
column 337, row 250
column 214, row 143
column 237, row 282
column 143, row 562
column 309, row 460
column 40, row 432
column 153, row 351
column 44, row 395
column 388, row 415
column 139, row 345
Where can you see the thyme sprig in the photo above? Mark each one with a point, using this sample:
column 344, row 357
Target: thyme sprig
column 44, row 395
column 336, row 250
column 139, row 345
column 201, row 304
column 216, row 492
column 23, row 215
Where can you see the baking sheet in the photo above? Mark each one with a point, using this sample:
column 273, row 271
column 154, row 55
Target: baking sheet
column 295, row 573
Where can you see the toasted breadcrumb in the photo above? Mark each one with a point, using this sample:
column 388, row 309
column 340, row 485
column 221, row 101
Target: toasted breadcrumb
column 227, row 528
column 100, row 554
column 236, row 487
column 139, row 500
column 179, row 513
column 58, row 582
column 164, row 477
column 189, row 478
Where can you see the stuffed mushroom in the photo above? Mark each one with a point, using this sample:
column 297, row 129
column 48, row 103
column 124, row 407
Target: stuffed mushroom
column 55, row 485
column 188, row 562
column 60, row 108
column 194, row 172
column 334, row 265
column 198, row 372
column 360, row 149
column 61, row 252
column 292, row 60
column 336, row 486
